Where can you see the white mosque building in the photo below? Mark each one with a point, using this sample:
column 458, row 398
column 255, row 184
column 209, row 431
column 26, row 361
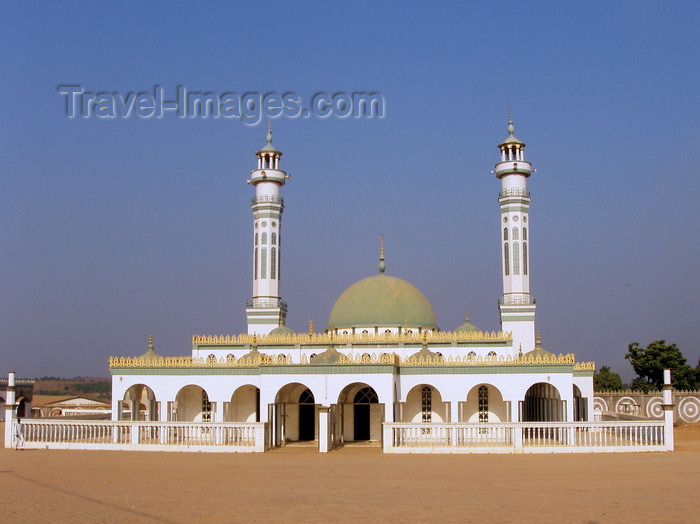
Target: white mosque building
column 381, row 362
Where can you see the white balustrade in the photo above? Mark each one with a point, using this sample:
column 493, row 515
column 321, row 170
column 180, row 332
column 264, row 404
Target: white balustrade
column 175, row 436
column 524, row 437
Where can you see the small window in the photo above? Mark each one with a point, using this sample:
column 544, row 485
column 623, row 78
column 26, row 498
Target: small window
column 273, row 239
column 506, row 260
column 471, row 354
column 306, row 397
column 505, row 233
column 515, row 234
column 524, row 233
column 426, row 404
column 524, row 258
column 206, row 407
column 366, row 396
column 263, row 239
column 483, row 404
column 263, row 262
column 273, row 262
column 516, row 258
column 491, row 354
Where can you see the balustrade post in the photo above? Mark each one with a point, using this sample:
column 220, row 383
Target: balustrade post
column 134, row 433
column 10, row 409
column 387, row 437
column 323, row 429
column 668, row 411
column 517, row 430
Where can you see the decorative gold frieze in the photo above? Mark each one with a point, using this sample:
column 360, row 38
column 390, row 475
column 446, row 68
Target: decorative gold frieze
column 357, row 338
column 258, row 359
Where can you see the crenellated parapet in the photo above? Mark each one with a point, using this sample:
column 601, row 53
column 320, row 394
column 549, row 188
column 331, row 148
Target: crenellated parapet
column 356, row 338
column 261, row 359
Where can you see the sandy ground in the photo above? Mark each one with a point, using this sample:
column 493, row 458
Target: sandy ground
column 353, row 484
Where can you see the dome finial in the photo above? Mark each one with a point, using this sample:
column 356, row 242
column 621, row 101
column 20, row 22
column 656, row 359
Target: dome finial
column 269, row 131
column 466, row 314
column 382, row 265
column 150, row 342
column 511, row 129
column 311, row 327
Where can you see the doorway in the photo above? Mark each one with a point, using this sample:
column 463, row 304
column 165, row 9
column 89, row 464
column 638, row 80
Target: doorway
column 307, row 416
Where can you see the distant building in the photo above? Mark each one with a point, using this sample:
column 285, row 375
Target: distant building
column 24, row 394
column 381, row 358
column 70, row 406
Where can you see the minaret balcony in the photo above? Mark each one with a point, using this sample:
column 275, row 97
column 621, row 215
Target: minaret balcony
column 514, row 192
column 513, row 167
column 268, row 199
column 267, row 175
column 266, row 303
column 519, row 300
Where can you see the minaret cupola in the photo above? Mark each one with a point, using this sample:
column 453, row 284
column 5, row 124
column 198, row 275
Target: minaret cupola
column 512, row 155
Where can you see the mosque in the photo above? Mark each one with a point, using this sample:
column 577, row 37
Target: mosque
column 381, row 359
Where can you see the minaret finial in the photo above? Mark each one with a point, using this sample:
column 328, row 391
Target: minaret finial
column 311, row 327
column 382, row 265
column 269, row 131
column 511, row 129
column 466, row 314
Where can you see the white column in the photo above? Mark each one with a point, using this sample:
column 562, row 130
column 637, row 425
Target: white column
column 10, row 408
column 218, row 408
column 668, row 411
column 454, row 411
column 323, row 429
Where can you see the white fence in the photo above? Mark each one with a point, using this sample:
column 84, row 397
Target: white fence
column 143, row 436
column 526, row 437
column 521, row 437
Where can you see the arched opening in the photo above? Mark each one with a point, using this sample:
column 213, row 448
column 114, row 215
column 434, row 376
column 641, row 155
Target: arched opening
column 21, row 407
column 360, row 413
column 361, row 418
column 424, row 404
column 192, row 405
column 542, row 403
column 244, row 405
column 484, row 404
column 294, row 414
column 307, row 415
column 140, row 404
column 580, row 405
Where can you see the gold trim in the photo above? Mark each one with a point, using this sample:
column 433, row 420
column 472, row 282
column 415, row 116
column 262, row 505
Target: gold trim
column 258, row 359
column 358, row 338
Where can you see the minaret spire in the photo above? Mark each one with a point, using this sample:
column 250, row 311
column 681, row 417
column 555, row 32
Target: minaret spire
column 517, row 306
column 382, row 265
column 266, row 311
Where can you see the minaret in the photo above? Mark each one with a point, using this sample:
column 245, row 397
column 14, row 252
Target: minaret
column 267, row 310
column 517, row 306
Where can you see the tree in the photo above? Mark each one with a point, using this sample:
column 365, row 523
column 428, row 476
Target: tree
column 649, row 365
column 606, row 380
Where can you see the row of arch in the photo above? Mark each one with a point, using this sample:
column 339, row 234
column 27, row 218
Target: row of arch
column 358, row 412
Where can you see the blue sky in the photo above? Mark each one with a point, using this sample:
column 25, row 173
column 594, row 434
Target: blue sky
column 112, row 229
